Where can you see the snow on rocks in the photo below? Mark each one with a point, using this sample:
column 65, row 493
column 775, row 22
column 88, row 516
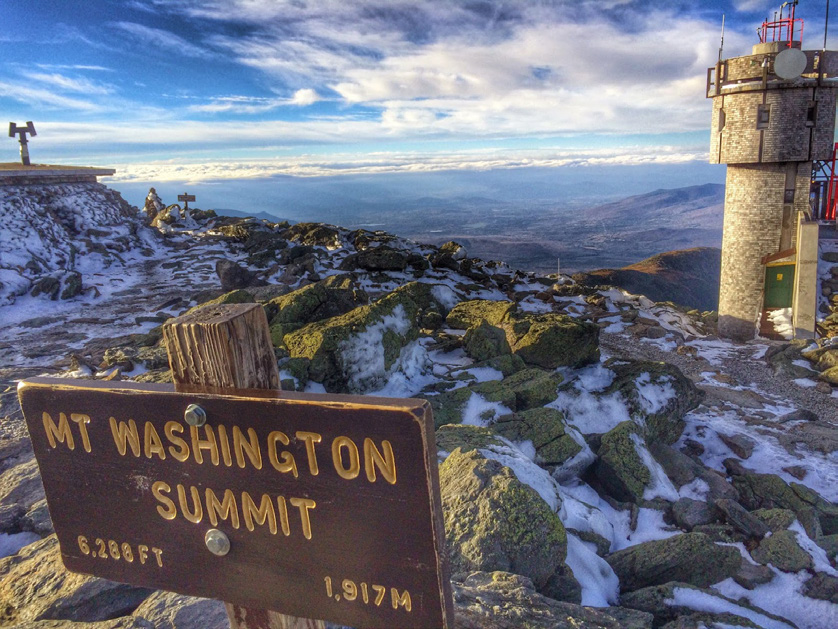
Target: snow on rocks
column 617, row 451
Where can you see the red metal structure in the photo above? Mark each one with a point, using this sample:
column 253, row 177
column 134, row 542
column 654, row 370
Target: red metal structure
column 824, row 191
column 782, row 28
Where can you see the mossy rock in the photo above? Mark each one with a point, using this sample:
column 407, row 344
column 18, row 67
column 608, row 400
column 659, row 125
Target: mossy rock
column 467, row 438
column 659, row 600
column 507, row 364
column 619, row 467
column 314, row 234
column 769, row 491
column 72, row 285
column 783, row 552
column 545, row 428
column 690, row 558
column 331, row 344
column 238, row 296
column 381, row 258
column 523, row 390
column 485, row 341
column 533, row 387
column 822, row 358
column 775, row 519
column 829, row 376
column 552, row 340
column 469, row 314
column 334, row 296
column 495, row 522
column 664, row 422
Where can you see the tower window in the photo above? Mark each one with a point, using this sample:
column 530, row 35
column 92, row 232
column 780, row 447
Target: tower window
column 812, row 113
column 721, row 119
column 763, row 116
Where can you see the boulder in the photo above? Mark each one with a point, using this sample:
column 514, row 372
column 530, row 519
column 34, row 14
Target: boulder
column 495, row 522
column 500, row 600
column 823, row 587
column 355, row 352
column 689, row 513
column 34, row 585
column 775, row 519
column 741, row 445
column 314, row 234
column 167, row 610
column 545, row 428
column 332, row 297
column 552, row 340
column 751, row 575
column 658, row 394
column 673, row 601
column 484, row 341
column 690, row 558
column 619, row 467
column 234, row 276
column 467, row 438
column 681, row 470
column 468, row 314
column 238, row 296
column 381, row 258
column 737, row 516
column 823, row 358
column 21, row 484
column 769, row 491
column 782, row 551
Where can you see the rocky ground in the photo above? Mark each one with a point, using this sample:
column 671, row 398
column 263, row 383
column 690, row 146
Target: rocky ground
column 605, row 461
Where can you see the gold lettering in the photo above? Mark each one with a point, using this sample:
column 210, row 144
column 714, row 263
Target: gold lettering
column 182, row 453
column 225, row 445
column 288, row 464
column 199, row 444
column 197, row 513
column 337, row 458
column 125, row 435
column 265, row 512
column 170, row 511
column 385, row 463
column 153, row 443
column 240, row 446
column 310, row 438
column 283, row 515
column 142, row 549
column 158, row 554
column 224, row 509
column 82, row 421
column 61, row 431
column 403, row 599
column 304, row 504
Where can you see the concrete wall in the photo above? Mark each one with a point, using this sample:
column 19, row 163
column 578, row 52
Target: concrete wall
column 806, row 279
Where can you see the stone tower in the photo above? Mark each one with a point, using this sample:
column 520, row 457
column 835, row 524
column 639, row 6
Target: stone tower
column 768, row 130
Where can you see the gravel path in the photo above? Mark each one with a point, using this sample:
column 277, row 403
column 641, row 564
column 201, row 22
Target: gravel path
column 739, row 365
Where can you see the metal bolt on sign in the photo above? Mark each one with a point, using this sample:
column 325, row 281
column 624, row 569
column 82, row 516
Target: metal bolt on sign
column 195, row 415
column 217, row 542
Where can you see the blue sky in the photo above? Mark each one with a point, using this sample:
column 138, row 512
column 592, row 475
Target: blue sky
column 198, row 90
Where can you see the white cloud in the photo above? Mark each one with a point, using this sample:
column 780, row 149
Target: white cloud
column 388, row 163
column 32, row 96
column 165, row 40
column 70, row 84
column 305, row 97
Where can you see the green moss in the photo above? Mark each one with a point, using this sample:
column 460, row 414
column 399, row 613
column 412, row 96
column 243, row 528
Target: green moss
column 783, row 552
column 484, row 341
column 467, row 438
column 469, row 314
column 619, row 467
column 552, row 340
column 239, row 296
column 545, row 428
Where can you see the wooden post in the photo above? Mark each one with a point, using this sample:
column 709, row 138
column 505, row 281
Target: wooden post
column 221, row 349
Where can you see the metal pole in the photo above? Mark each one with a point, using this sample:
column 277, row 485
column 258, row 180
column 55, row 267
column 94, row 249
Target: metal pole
column 826, row 25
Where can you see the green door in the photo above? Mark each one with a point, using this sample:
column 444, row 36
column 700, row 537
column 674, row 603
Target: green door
column 779, row 286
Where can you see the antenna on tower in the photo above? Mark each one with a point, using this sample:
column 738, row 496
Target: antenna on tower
column 722, row 43
column 826, row 25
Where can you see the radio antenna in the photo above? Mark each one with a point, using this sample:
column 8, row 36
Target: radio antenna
column 826, row 25
column 722, row 43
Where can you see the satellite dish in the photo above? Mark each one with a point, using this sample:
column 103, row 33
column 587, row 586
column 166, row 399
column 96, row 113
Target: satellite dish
column 790, row 63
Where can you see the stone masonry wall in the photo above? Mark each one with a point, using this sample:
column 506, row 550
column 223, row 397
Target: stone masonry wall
column 753, row 226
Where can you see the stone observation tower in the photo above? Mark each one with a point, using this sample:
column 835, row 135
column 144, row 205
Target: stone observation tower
column 773, row 115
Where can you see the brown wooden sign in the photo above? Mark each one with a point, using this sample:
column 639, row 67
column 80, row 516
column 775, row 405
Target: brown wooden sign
column 330, row 503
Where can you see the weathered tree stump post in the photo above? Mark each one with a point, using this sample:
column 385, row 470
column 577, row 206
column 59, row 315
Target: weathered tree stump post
column 222, row 349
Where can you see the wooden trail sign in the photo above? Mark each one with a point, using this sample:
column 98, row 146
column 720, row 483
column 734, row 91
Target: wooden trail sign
column 329, row 504
column 186, row 198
